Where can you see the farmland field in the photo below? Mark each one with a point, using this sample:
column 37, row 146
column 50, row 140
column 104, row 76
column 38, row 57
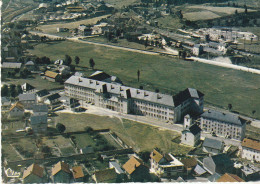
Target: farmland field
column 201, row 15
column 221, row 86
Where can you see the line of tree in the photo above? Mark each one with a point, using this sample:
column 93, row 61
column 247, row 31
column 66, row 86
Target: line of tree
column 11, row 91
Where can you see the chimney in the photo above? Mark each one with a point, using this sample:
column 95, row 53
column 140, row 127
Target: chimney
column 80, row 80
column 137, row 92
column 158, row 96
column 90, row 81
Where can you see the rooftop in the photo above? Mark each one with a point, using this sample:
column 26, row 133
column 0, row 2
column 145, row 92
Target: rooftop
column 42, row 93
column 25, row 97
column 11, row 65
column 189, row 162
column 60, row 166
column 77, row 172
column 249, row 143
column 225, row 117
column 230, row 178
column 132, row 164
column 51, row 74
column 54, row 96
column 19, row 105
column 34, row 169
column 186, row 94
column 156, row 156
column 212, row 143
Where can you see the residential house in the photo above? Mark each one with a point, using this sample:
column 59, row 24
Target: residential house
column 214, row 177
column 198, row 170
column 227, row 125
column 39, row 123
column 101, row 28
column 41, row 95
column 84, row 30
column 213, row 146
column 33, row 174
column 17, row 110
column 28, row 100
column 10, row 66
column 61, row 29
column 250, row 172
column 52, row 99
column 86, row 150
column 5, row 103
column 40, row 109
column 61, row 173
column 127, row 100
column 197, row 49
column 52, row 76
column 227, row 177
column 78, row 174
column 28, row 88
column 105, row 176
column 30, row 66
column 117, row 167
column 189, row 164
column 250, row 149
column 165, row 166
column 218, row 163
column 136, row 170
column 191, row 133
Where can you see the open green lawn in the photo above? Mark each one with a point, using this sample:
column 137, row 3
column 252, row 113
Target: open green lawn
column 221, row 86
column 84, row 140
column 141, row 137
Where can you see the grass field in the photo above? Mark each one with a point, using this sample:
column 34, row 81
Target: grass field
column 172, row 22
column 36, row 81
column 52, row 28
column 84, row 140
column 141, row 137
column 201, row 15
column 221, row 86
column 121, row 3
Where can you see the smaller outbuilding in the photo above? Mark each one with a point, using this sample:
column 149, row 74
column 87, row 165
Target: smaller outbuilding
column 78, row 174
column 41, row 95
column 213, row 146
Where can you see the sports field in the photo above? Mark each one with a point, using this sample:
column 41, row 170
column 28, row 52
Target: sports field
column 221, row 86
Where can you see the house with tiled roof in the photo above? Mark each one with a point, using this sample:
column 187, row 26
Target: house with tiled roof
column 16, row 110
column 136, row 170
column 105, row 176
column 250, row 149
column 222, row 124
column 39, row 123
column 218, row 163
column 77, row 173
column 33, row 174
column 191, row 132
column 41, row 95
column 227, row 177
column 28, row 100
column 212, row 146
column 165, row 166
column 61, row 173
column 52, row 76
column 189, row 164
column 27, row 88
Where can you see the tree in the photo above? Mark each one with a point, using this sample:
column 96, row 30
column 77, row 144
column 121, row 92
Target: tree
column 91, row 63
column 77, row 59
column 60, row 127
column 253, row 112
column 236, row 12
column 68, row 60
column 12, row 90
column 19, row 89
column 138, row 75
column 245, row 9
column 4, row 90
column 17, row 70
column 145, row 156
column 229, row 107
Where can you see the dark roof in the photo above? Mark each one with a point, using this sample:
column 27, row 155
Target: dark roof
column 189, row 162
column 27, row 87
column 185, row 95
column 38, row 119
column 225, row 117
column 221, row 159
column 99, row 75
column 212, row 143
column 195, row 129
column 5, row 100
column 40, row 108
column 53, row 97
column 42, row 93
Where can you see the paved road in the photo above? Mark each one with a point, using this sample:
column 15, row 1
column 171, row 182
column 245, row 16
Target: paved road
column 226, row 65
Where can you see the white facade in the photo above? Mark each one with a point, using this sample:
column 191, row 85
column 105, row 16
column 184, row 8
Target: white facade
column 130, row 100
column 250, row 150
column 16, row 112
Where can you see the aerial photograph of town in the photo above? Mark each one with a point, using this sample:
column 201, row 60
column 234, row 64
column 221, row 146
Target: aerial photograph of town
column 119, row 91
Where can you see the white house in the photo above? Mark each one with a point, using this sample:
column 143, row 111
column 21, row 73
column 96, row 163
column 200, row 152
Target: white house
column 28, row 88
column 191, row 132
column 250, row 149
column 52, row 99
column 41, row 95
column 17, row 110
column 165, row 166
column 28, row 100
